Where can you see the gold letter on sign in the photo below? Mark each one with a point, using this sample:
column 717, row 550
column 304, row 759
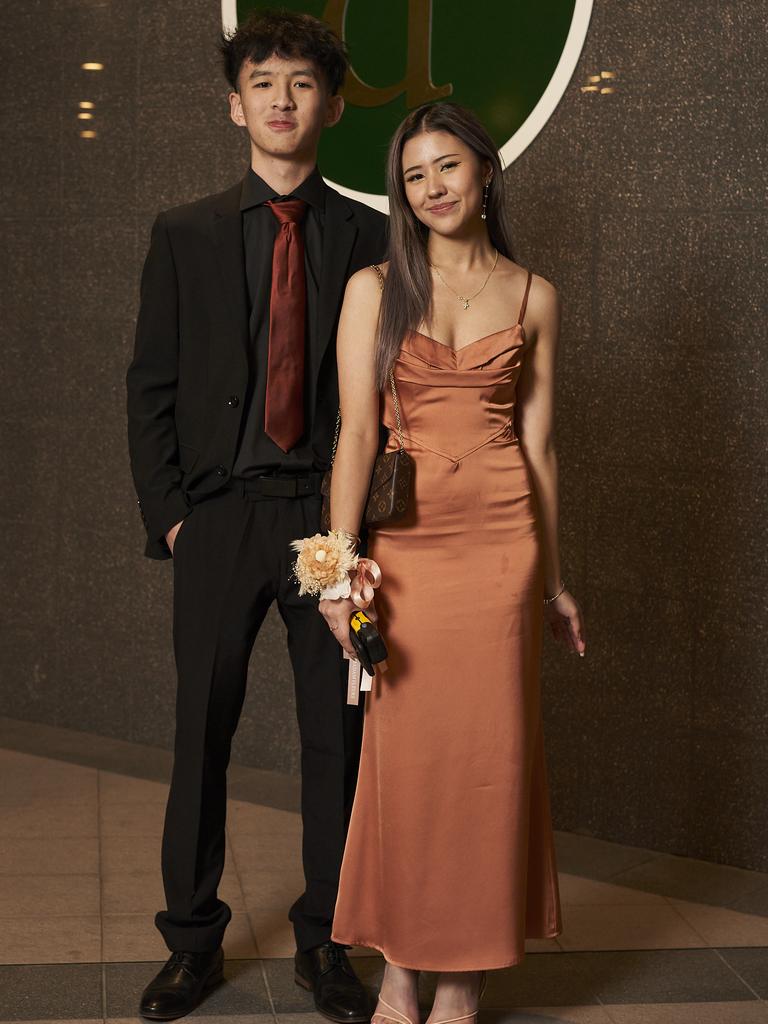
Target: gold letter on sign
column 417, row 84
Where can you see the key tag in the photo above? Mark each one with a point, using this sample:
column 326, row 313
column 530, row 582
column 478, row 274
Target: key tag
column 366, row 580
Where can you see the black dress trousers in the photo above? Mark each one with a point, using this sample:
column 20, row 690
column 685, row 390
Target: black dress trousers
column 232, row 559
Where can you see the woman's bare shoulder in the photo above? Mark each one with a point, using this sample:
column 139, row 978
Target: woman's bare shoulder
column 547, row 292
column 366, row 281
column 543, row 297
column 542, row 291
column 364, row 288
column 363, row 292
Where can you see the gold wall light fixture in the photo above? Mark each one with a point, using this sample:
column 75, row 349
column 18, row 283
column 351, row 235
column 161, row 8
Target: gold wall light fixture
column 86, row 105
column 92, row 65
column 595, row 83
column 84, row 116
column 88, row 135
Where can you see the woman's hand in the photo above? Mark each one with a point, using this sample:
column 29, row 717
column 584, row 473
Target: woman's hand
column 567, row 622
column 337, row 615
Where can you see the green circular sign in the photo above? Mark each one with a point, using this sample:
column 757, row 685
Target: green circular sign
column 510, row 62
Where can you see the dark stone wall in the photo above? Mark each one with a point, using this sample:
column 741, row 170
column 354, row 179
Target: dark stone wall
column 647, row 208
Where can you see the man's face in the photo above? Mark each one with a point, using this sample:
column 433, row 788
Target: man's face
column 284, row 104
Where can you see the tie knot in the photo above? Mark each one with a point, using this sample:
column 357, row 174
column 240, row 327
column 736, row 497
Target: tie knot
column 289, row 211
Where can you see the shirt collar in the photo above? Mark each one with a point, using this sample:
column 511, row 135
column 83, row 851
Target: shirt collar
column 257, row 192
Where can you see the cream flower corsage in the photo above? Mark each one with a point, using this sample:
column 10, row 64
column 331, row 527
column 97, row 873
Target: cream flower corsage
column 323, row 564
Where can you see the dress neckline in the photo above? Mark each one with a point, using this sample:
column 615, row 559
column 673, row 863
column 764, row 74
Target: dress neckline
column 469, row 344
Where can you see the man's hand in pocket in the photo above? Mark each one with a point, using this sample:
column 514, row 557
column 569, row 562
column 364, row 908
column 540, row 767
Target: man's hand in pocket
column 170, row 537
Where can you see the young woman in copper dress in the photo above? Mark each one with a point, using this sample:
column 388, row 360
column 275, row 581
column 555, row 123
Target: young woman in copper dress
column 449, row 864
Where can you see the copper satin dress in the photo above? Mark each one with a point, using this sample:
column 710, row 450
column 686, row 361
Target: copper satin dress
column 449, row 863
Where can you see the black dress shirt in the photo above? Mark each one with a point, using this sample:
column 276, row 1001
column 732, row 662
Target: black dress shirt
column 257, row 454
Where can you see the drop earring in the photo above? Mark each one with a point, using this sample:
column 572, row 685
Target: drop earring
column 487, row 185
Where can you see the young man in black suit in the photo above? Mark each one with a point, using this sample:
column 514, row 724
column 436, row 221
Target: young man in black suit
column 232, row 402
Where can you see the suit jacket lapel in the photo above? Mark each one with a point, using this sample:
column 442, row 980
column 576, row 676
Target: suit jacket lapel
column 228, row 237
column 338, row 239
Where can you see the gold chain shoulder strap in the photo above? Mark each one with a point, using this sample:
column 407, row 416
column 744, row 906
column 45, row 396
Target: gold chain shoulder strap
column 395, row 397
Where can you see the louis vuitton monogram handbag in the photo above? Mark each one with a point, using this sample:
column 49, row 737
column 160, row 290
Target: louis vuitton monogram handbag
column 390, row 490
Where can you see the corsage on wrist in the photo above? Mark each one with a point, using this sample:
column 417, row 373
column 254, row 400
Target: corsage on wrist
column 328, row 566
column 323, row 564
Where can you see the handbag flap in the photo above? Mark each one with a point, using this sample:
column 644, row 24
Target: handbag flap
column 383, row 469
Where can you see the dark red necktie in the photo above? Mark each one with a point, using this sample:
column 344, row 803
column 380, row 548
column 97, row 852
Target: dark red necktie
column 284, row 410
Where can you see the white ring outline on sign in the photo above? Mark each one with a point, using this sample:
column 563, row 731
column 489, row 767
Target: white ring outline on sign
column 528, row 130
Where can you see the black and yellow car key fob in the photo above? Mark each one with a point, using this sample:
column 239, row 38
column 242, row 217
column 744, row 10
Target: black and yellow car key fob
column 366, row 639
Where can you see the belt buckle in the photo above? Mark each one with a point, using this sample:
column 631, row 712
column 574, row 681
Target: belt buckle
column 277, row 487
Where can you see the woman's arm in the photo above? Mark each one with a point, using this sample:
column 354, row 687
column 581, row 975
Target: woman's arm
column 358, row 401
column 535, row 428
column 359, row 436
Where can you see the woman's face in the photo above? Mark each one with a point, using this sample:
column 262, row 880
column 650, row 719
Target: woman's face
column 443, row 179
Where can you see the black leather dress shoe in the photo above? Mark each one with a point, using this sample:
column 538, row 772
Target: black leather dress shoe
column 181, row 985
column 339, row 994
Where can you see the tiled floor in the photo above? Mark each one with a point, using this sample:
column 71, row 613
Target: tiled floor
column 648, row 938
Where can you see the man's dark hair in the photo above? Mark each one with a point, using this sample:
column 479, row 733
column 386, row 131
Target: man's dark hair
column 285, row 34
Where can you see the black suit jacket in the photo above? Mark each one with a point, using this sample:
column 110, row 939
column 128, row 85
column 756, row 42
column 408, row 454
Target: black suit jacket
column 188, row 379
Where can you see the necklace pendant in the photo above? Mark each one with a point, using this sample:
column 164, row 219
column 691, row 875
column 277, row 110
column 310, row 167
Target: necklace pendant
column 466, row 303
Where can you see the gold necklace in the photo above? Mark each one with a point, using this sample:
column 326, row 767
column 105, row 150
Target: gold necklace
column 465, row 298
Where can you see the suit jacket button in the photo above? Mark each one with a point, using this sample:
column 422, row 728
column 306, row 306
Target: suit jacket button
column 221, row 471
column 233, row 401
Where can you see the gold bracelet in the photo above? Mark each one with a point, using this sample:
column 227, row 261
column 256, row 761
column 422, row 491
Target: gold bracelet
column 549, row 600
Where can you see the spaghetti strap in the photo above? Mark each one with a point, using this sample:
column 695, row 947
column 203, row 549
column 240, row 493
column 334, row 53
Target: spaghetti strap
column 377, row 268
column 525, row 299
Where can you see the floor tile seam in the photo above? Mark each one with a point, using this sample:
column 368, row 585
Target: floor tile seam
column 592, row 904
column 101, row 899
column 45, row 874
column 49, row 835
column 289, row 959
column 722, row 904
column 746, row 874
column 228, row 846
column 103, row 990
column 688, row 924
column 57, row 917
column 752, row 915
column 733, row 970
column 252, row 931
column 605, row 1008
column 622, row 1007
column 267, row 988
column 708, row 949
column 741, row 896
column 34, row 801
column 623, row 871
column 233, row 855
column 681, row 950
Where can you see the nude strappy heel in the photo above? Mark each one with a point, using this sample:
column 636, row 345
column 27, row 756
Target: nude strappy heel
column 469, row 1016
column 400, row 1017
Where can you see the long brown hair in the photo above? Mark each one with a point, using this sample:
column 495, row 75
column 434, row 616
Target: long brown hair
column 407, row 296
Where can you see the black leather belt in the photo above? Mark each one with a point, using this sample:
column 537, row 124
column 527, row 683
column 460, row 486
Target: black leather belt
column 285, row 486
